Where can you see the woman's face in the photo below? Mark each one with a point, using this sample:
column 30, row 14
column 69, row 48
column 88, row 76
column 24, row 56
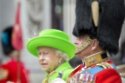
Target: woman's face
column 48, row 58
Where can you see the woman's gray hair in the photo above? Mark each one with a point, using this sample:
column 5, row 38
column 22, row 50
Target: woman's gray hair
column 62, row 54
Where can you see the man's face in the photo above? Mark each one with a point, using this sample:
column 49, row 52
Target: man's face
column 82, row 44
column 48, row 58
column 78, row 41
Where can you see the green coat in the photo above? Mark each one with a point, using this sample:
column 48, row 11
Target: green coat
column 64, row 68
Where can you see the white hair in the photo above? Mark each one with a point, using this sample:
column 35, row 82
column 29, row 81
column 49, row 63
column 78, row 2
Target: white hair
column 62, row 54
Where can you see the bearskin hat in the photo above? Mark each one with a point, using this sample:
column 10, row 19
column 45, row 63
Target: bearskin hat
column 111, row 17
column 6, row 38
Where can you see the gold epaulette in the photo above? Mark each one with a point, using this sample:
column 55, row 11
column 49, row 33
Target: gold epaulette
column 3, row 73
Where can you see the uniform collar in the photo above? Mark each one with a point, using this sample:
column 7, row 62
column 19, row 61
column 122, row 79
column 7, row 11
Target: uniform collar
column 96, row 58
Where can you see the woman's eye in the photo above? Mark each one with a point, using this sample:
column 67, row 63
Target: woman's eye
column 39, row 53
column 45, row 53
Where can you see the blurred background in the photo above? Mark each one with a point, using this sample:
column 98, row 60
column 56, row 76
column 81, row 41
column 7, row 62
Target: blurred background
column 37, row 15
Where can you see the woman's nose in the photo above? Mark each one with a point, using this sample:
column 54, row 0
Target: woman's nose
column 41, row 58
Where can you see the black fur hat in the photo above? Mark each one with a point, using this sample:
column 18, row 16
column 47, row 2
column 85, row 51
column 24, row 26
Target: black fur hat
column 6, row 40
column 111, row 17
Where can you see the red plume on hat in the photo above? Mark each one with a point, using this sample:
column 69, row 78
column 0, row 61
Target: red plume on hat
column 110, row 20
column 17, row 40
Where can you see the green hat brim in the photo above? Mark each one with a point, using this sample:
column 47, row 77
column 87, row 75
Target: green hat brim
column 50, row 41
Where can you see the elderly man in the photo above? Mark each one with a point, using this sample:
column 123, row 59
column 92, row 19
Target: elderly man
column 97, row 28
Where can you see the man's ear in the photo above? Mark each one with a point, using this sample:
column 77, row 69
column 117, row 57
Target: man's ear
column 94, row 44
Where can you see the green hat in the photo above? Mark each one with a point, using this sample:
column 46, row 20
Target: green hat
column 52, row 38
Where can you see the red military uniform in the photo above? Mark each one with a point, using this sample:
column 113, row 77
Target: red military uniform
column 103, row 73
column 97, row 30
column 13, row 71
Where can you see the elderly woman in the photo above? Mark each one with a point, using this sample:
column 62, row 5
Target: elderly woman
column 54, row 49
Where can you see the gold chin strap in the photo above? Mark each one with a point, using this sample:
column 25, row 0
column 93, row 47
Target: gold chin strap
column 87, row 41
column 93, row 59
column 95, row 12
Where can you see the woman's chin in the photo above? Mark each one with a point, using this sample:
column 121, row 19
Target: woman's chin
column 44, row 68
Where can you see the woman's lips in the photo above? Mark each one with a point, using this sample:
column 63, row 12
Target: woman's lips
column 44, row 63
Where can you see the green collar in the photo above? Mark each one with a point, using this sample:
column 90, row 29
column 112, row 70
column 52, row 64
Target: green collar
column 63, row 66
column 60, row 68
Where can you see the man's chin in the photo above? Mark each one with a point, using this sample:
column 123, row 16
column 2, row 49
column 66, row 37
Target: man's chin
column 79, row 54
column 82, row 54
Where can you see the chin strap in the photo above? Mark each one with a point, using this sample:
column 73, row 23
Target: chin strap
column 87, row 41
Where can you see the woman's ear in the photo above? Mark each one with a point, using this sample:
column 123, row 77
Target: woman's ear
column 60, row 60
column 94, row 44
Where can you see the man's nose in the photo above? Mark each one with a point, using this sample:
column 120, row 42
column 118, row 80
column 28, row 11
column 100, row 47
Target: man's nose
column 77, row 42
